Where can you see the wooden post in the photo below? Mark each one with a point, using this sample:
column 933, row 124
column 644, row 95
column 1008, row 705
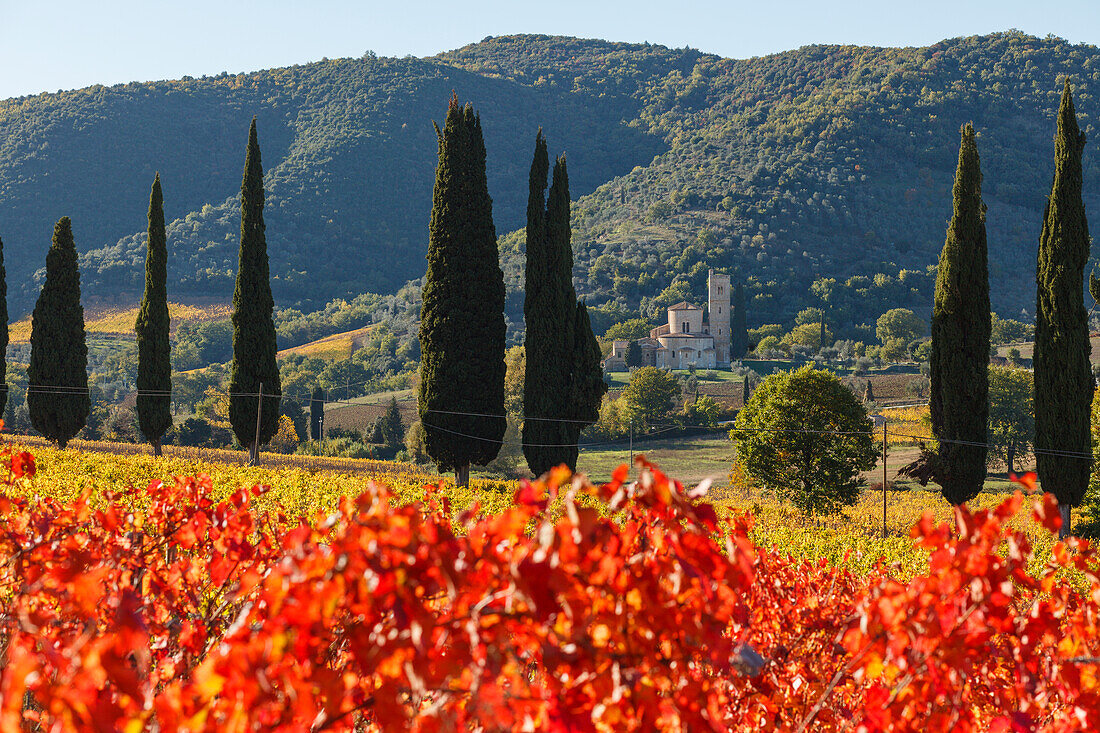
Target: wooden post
column 630, row 466
column 255, row 457
column 884, row 477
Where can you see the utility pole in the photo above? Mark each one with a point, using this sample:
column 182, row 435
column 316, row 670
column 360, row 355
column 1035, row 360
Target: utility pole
column 884, row 476
column 630, row 466
column 254, row 458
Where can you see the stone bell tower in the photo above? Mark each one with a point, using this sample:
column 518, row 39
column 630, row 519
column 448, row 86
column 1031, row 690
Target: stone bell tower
column 718, row 315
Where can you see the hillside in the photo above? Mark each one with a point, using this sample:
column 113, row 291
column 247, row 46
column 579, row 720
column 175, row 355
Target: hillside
column 337, row 346
column 117, row 321
column 822, row 162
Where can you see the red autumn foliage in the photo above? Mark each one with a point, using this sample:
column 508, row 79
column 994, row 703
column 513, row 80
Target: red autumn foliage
column 192, row 614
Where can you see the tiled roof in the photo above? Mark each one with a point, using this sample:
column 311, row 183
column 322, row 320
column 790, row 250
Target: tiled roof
column 683, row 305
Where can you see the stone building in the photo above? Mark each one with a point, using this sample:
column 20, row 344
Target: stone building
column 686, row 339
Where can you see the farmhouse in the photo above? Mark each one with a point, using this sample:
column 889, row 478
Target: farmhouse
column 686, row 340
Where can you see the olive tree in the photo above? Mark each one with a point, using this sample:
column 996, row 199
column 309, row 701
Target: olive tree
column 1011, row 415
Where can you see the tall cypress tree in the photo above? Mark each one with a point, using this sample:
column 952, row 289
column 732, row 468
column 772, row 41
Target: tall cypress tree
column 1063, row 378
column 960, row 337
column 462, row 329
column 3, row 333
column 559, row 338
column 549, row 315
column 739, row 330
column 154, row 378
column 57, row 376
column 254, row 349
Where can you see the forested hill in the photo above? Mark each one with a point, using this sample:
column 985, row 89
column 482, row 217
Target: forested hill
column 823, row 162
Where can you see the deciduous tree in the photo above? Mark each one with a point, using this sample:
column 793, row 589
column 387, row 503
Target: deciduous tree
column 804, row 435
column 1011, row 414
column 650, row 395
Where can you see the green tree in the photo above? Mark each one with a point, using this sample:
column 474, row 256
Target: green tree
column 254, row 362
column 154, row 377
column 809, row 316
column 57, row 376
column 559, row 341
column 462, row 329
column 393, row 429
column 634, row 354
column 804, row 435
column 293, row 410
column 812, row 334
column 1011, row 415
column 703, row 411
column 1008, row 331
column 634, row 328
column 1063, row 375
column 899, row 324
column 548, row 317
column 959, row 361
column 515, row 372
column 650, row 395
column 739, row 331
column 3, row 333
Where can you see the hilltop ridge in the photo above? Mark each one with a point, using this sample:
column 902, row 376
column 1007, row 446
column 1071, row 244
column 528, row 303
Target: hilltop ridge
column 821, row 162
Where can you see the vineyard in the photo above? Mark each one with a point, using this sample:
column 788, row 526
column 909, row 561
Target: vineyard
column 190, row 604
column 303, row 485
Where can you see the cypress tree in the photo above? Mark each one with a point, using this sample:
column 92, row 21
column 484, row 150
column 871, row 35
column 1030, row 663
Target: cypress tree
column 57, row 376
column 462, row 329
column 3, row 333
column 393, row 430
column 317, row 414
column 254, row 347
column 633, row 354
column 154, row 378
column 959, row 360
column 739, row 331
column 868, row 392
column 1063, row 378
column 549, row 310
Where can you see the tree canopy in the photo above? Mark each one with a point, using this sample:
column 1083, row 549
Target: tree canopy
column 805, row 436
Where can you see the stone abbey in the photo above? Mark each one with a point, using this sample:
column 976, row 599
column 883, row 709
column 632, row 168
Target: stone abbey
column 686, row 340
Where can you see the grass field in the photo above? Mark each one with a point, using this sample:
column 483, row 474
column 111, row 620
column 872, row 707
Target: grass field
column 1027, row 349
column 119, row 321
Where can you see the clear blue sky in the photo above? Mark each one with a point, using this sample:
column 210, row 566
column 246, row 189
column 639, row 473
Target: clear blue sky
column 46, row 45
